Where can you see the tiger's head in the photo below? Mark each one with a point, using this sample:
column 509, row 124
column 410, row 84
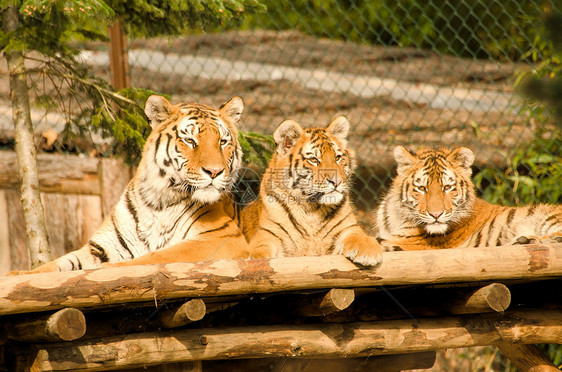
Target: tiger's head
column 193, row 148
column 434, row 186
column 311, row 165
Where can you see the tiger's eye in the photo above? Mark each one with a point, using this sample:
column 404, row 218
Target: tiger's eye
column 189, row 142
column 223, row 142
column 422, row 189
column 313, row 161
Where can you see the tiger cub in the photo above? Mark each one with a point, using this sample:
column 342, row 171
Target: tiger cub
column 304, row 206
column 178, row 197
column 431, row 204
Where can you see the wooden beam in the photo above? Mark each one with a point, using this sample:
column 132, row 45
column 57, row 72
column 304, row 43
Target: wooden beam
column 493, row 297
column 381, row 363
column 527, row 358
column 64, row 325
column 321, row 304
column 107, row 286
column 57, row 173
column 318, row 341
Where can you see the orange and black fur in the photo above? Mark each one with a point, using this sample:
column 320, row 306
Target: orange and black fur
column 177, row 206
column 304, row 206
column 431, row 204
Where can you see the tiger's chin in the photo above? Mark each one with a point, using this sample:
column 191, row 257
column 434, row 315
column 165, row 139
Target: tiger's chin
column 331, row 198
column 436, row 228
column 207, row 195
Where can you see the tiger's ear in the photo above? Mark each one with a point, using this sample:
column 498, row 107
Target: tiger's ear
column 233, row 109
column 462, row 156
column 157, row 109
column 286, row 135
column 404, row 159
column 339, row 127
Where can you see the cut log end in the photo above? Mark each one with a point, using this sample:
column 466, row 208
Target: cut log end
column 194, row 310
column 498, row 297
column 337, row 299
column 67, row 324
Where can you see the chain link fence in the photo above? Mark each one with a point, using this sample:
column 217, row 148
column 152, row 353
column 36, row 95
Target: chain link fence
column 409, row 72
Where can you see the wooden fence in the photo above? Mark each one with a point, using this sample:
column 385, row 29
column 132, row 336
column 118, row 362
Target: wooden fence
column 77, row 193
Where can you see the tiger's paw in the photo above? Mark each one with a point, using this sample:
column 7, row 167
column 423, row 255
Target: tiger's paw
column 547, row 239
column 46, row 268
column 259, row 252
column 363, row 250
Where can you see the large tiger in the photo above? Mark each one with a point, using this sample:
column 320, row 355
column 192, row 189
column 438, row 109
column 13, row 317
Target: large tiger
column 431, row 204
column 304, row 206
column 177, row 206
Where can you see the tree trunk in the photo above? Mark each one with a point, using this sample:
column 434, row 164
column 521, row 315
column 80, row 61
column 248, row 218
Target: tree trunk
column 36, row 233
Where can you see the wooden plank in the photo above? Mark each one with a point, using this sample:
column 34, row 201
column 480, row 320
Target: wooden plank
column 320, row 341
column 90, row 214
column 57, row 173
column 112, row 285
column 55, row 212
column 114, row 177
column 5, row 257
column 18, row 248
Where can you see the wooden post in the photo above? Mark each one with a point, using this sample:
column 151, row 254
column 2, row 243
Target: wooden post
column 527, row 358
column 335, row 340
column 190, row 311
column 321, row 304
column 119, row 60
column 493, row 297
column 65, row 325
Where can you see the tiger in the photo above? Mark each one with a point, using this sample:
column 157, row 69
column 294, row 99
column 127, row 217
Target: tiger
column 431, row 204
column 304, row 207
column 177, row 206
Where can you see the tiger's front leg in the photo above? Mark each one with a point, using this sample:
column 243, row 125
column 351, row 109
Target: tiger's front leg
column 361, row 248
column 193, row 251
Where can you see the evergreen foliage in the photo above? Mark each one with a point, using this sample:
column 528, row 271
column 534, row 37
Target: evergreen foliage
column 61, row 83
column 535, row 170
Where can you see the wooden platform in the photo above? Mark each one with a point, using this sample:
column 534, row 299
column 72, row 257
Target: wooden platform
column 301, row 314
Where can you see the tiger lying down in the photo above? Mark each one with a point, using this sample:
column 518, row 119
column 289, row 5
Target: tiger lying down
column 431, row 204
column 304, row 205
column 177, row 206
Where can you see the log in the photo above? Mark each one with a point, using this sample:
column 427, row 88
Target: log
column 318, row 341
column 321, row 304
column 382, row 363
column 64, row 325
column 493, row 297
column 190, row 311
column 114, row 285
column 527, row 358
column 57, row 173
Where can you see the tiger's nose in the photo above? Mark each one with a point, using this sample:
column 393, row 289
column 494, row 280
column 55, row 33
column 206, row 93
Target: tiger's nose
column 334, row 182
column 435, row 214
column 213, row 172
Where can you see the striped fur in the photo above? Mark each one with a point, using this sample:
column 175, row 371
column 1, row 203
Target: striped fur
column 304, row 206
column 431, row 204
column 179, row 195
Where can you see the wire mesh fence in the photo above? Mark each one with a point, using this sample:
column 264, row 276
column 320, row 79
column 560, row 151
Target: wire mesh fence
column 431, row 73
